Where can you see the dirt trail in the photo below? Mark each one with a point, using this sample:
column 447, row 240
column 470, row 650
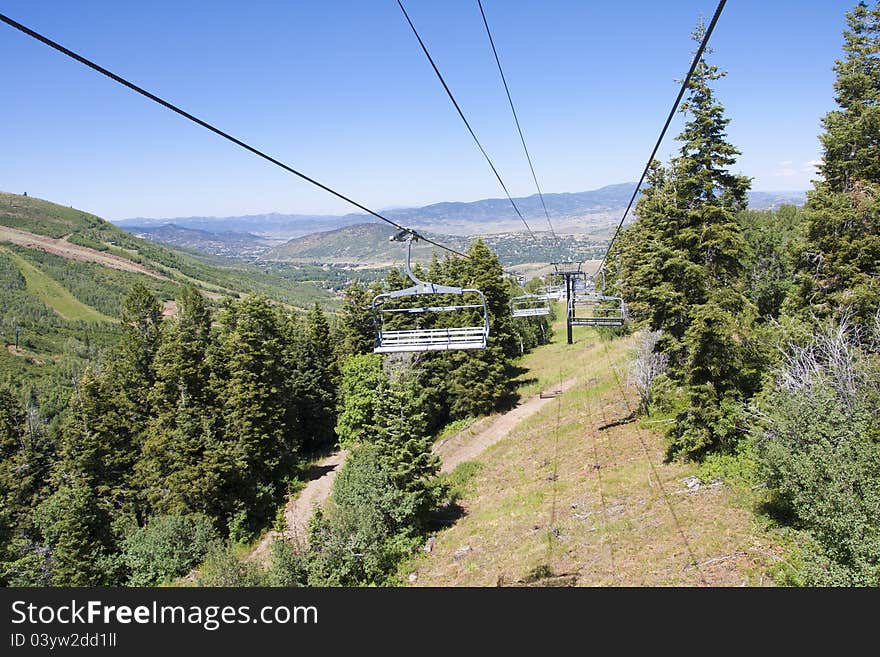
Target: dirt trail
column 471, row 442
column 299, row 509
column 65, row 249
column 458, row 448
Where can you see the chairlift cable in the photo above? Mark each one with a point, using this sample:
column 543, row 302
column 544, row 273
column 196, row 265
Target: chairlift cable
column 684, row 85
column 466, row 123
column 238, row 142
column 519, row 130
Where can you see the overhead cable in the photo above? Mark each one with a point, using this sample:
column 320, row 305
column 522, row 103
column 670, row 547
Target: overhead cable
column 519, row 130
column 238, row 142
column 684, row 86
column 466, row 123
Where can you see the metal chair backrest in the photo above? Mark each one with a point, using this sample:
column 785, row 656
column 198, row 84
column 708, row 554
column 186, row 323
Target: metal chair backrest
column 530, row 305
column 474, row 336
column 597, row 310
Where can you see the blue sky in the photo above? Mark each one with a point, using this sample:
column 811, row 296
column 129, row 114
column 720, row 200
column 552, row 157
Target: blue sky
column 340, row 90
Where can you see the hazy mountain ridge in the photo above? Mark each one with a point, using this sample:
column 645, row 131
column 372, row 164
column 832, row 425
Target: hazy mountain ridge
column 227, row 243
column 369, row 244
column 575, row 212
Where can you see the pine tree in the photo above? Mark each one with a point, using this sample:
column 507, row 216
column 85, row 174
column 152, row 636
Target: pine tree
column 251, row 380
column 356, row 321
column 117, row 403
column 403, row 442
column 680, row 265
column 773, row 238
column 77, row 522
column 362, row 385
column 11, row 440
column 474, row 382
column 483, row 271
column 841, row 256
column 141, row 319
column 27, row 451
column 172, row 465
column 851, row 148
column 94, row 493
column 313, row 382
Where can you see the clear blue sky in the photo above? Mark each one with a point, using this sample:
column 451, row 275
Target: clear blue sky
column 340, row 90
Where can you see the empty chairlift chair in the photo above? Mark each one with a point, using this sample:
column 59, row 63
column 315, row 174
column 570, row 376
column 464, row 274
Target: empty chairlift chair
column 468, row 336
column 530, row 305
column 553, row 292
column 597, row 310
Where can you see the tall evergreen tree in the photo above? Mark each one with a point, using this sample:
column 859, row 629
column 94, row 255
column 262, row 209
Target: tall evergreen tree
column 680, row 265
column 773, row 238
column 141, row 319
column 251, row 380
column 476, row 381
column 117, row 401
column 77, row 524
column 184, row 428
column 11, row 440
column 404, row 445
column 93, row 488
column 313, row 381
column 357, row 333
column 362, row 386
column 839, row 269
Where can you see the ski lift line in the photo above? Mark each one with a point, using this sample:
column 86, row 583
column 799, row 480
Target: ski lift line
column 638, row 431
column 519, row 128
column 238, row 142
column 466, row 123
column 684, row 86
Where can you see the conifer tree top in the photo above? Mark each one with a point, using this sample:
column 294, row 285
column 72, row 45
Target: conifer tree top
column 850, row 143
column 705, row 154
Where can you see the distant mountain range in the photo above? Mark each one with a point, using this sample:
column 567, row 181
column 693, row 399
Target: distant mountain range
column 572, row 213
column 225, row 243
column 368, row 245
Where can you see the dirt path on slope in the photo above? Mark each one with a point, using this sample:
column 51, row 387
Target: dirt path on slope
column 473, row 441
column 458, row 448
column 319, row 483
column 65, row 249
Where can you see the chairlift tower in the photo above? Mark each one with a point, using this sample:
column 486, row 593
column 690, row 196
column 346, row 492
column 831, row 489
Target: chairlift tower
column 570, row 272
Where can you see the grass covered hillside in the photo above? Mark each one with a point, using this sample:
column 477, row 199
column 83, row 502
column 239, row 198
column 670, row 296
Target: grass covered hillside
column 76, row 235
column 64, row 274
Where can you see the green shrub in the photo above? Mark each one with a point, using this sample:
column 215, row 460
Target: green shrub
column 222, row 567
column 167, row 547
column 737, row 466
column 290, row 565
column 366, row 530
column 820, row 450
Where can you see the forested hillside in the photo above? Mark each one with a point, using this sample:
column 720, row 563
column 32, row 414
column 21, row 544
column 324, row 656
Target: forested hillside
column 767, row 323
column 65, row 274
column 191, row 429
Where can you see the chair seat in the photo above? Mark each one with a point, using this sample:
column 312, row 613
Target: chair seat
column 440, row 339
column 531, row 312
column 597, row 321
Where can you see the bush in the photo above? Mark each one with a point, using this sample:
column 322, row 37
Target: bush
column 367, row 529
column 823, row 464
column 290, row 566
column 167, row 547
column 223, row 568
column 821, row 452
